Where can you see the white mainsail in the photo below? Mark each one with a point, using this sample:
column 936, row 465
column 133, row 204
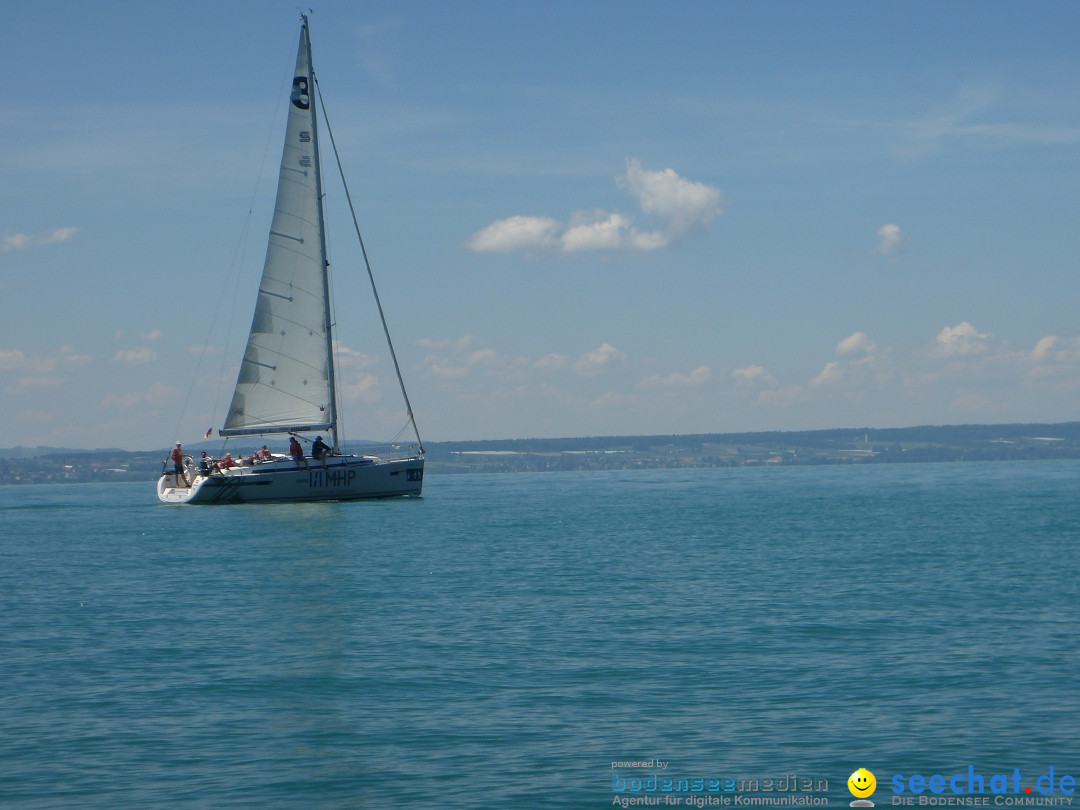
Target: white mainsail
column 286, row 379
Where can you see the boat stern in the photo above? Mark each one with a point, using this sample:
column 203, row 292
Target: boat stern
column 169, row 490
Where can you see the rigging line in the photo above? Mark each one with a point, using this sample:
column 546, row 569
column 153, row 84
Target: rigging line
column 335, row 341
column 231, row 274
column 398, row 434
column 367, row 263
column 241, row 250
column 204, row 350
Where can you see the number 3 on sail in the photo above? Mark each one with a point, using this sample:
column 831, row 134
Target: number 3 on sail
column 286, row 382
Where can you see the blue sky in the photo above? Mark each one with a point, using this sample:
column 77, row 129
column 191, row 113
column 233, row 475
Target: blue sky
column 585, row 218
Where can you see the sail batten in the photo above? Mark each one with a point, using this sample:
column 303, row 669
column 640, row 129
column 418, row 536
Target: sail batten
column 285, row 382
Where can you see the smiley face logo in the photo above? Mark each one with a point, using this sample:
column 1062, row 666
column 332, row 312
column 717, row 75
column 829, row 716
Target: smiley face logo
column 861, row 783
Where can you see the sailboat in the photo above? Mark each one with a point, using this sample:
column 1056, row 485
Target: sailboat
column 286, row 383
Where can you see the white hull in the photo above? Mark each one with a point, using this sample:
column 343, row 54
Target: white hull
column 345, row 478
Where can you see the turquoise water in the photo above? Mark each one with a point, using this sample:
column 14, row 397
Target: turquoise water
column 504, row 640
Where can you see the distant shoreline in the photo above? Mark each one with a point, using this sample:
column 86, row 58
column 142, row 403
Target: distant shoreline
column 1003, row 442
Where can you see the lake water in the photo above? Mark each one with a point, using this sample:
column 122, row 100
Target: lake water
column 545, row 640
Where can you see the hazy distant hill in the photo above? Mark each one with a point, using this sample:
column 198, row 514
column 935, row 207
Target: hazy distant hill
column 838, row 446
column 26, row 465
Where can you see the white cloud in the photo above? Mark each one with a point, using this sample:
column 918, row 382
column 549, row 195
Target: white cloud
column 593, row 363
column 445, row 370
column 450, row 359
column 21, row 241
column 516, row 233
column 612, row 401
column 597, row 230
column 682, row 205
column 830, row 374
column 70, row 355
column 1054, row 351
column 17, row 360
column 893, row 242
column 481, row 357
column 1043, row 347
column 362, row 387
column 685, row 204
column 347, row 358
column 856, row 343
column 701, row 374
column 37, row 371
column 356, row 383
column 129, row 400
column 751, row 374
column 962, row 339
column 135, row 357
column 551, row 362
column 33, row 381
column 867, row 383
column 156, row 394
column 459, row 344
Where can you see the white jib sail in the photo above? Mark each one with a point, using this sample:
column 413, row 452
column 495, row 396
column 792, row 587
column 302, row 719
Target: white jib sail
column 285, row 381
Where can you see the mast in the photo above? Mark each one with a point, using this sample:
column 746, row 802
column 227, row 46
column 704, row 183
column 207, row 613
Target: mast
column 322, row 239
column 285, row 383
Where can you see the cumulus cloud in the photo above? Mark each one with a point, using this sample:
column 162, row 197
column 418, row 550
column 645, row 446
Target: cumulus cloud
column 517, row 233
column 445, row 370
column 701, row 374
column 752, row 374
column 452, row 359
column 960, row 340
column 69, row 354
column 681, row 205
column 459, row 344
column 362, row 387
column 21, row 241
column 893, row 242
column 551, row 362
column 596, row 230
column 1052, row 349
column 156, row 394
column 593, row 363
column 831, row 373
column 349, row 358
column 1043, row 347
column 32, row 382
column 129, row 400
column 684, row 204
column 17, row 360
column 857, row 343
column 37, row 371
column 356, row 383
column 135, row 357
